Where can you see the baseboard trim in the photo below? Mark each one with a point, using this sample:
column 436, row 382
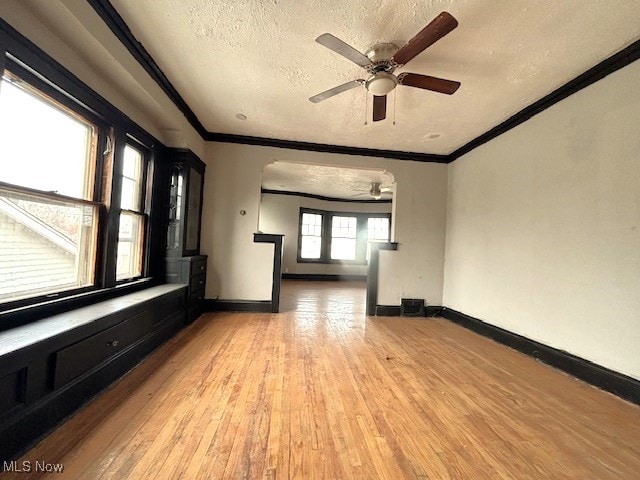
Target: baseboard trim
column 396, row 310
column 387, row 310
column 322, row 277
column 237, row 306
column 592, row 373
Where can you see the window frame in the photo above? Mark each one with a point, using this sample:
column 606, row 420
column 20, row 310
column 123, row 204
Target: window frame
column 36, row 86
column 143, row 213
column 322, row 234
column 39, row 74
column 326, row 238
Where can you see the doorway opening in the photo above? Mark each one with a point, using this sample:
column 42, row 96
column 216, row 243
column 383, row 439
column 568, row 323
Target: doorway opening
column 329, row 216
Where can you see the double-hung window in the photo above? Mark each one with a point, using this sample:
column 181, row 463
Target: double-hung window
column 65, row 180
column 48, row 216
column 344, row 234
column 337, row 237
column 133, row 220
column 311, row 226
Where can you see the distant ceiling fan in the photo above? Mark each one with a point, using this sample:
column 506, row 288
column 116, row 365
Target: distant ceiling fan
column 382, row 59
column 376, row 191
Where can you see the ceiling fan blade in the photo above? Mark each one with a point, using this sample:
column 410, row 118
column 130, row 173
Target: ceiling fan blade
column 426, row 82
column 347, row 51
column 379, row 108
column 438, row 28
column 336, row 90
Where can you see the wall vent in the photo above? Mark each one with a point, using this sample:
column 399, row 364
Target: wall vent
column 412, row 307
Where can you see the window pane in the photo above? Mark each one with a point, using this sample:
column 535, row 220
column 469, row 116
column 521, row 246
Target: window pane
column 345, row 227
column 343, row 249
column 130, row 198
column 310, row 247
column 343, row 237
column 129, row 260
column 46, row 246
column 378, row 228
column 59, row 159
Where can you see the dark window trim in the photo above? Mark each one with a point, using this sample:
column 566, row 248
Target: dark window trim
column 24, row 59
column 20, row 50
column 145, row 206
column 325, row 242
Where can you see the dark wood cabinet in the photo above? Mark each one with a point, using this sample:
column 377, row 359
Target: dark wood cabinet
column 186, row 181
column 184, row 264
column 50, row 367
column 191, row 271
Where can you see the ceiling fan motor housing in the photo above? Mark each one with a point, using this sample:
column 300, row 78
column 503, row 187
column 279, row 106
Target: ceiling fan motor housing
column 382, row 80
column 381, row 52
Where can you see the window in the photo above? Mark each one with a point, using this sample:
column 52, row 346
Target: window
column 68, row 173
column 377, row 231
column 132, row 217
column 343, row 237
column 48, row 221
column 61, row 159
column 337, row 237
column 310, row 236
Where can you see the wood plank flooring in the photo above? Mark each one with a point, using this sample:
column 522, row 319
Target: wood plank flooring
column 322, row 392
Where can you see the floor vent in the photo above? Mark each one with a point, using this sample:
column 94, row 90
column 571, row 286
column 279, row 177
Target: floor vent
column 412, row 307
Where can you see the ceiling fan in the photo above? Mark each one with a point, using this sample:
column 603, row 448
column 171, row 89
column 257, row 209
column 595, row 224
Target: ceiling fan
column 376, row 191
column 381, row 60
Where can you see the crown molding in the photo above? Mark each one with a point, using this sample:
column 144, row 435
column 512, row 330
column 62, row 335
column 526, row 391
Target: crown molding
column 322, row 197
column 612, row 64
column 117, row 25
column 323, row 147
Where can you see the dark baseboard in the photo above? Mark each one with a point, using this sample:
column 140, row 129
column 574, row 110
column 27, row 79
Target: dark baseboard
column 599, row 376
column 396, row 310
column 237, row 305
column 387, row 310
column 321, row 277
column 433, row 311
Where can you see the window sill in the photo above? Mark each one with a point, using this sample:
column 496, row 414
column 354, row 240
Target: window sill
column 29, row 313
column 25, row 336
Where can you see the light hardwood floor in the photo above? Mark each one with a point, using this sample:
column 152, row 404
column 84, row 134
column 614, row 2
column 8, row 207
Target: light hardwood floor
column 321, row 391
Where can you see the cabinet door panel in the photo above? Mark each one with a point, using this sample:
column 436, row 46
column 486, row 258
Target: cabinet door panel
column 192, row 233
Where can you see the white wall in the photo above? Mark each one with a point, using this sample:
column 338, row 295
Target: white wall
column 241, row 269
column 543, row 232
column 281, row 214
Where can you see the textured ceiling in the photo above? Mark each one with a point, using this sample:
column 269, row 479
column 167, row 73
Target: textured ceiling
column 259, row 58
column 335, row 182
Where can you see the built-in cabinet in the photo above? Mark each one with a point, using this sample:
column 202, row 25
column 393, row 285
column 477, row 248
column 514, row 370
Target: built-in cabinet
column 184, row 264
column 50, row 367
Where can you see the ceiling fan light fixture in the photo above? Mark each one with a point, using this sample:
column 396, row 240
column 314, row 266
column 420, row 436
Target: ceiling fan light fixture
column 381, row 83
column 375, row 191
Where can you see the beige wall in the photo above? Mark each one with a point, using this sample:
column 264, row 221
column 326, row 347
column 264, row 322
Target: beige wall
column 543, row 228
column 241, row 269
column 281, row 214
